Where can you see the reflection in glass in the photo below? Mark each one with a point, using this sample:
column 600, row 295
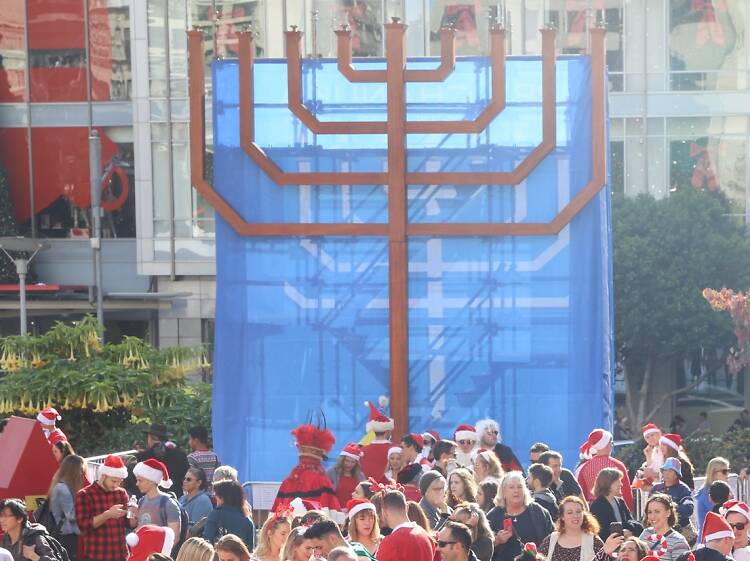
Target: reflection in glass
column 14, row 159
column 707, row 49
column 709, row 154
column 468, row 19
column 109, row 38
column 364, row 18
column 12, row 52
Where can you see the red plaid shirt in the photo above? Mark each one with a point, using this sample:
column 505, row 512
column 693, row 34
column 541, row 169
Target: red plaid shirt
column 107, row 542
column 590, row 470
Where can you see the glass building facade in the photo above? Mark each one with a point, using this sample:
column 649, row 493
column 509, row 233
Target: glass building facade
column 678, row 79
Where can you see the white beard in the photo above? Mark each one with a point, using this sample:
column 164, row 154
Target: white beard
column 464, row 459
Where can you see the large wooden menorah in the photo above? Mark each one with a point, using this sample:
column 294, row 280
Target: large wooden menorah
column 398, row 229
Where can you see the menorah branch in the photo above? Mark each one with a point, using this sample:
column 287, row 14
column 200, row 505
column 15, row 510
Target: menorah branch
column 447, row 61
column 344, row 57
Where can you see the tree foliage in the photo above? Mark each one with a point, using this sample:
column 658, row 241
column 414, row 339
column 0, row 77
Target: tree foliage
column 665, row 253
column 107, row 393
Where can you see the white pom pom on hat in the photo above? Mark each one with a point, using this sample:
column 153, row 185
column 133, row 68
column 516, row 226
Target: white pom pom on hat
column 132, row 539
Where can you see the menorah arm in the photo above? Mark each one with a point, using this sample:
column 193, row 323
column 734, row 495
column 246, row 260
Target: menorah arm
column 247, row 135
column 447, row 61
column 294, row 88
column 344, row 59
column 541, row 151
column 584, row 196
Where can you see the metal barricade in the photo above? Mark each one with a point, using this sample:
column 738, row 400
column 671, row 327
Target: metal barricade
column 93, row 463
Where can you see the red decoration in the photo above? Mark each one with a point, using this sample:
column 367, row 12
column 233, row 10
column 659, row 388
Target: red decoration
column 709, row 27
column 704, row 172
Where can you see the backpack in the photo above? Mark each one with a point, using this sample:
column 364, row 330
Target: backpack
column 58, row 551
column 184, row 518
column 43, row 515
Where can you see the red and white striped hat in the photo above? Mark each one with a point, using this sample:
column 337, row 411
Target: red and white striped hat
column 465, row 432
column 355, row 506
column 597, row 440
column 48, row 416
column 650, row 428
column 715, row 527
column 674, row 441
column 153, row 470
column 352, row 450
column 738, row 507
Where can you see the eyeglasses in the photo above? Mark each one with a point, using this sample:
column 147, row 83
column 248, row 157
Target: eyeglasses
column 490, row 431
column 466, row 442
column 441, row 543
column 738, row 526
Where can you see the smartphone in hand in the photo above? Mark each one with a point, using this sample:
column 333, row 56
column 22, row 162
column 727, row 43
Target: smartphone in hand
column 508, row 523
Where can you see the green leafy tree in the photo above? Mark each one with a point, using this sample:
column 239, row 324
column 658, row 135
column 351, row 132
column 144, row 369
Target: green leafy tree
column 665, row 253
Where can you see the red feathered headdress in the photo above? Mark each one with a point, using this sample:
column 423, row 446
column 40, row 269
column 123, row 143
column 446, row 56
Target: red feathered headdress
column 313, row 441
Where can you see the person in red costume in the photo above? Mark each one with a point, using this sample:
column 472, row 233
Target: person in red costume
column 308, row 479
column 374, row 459
column 48, row 417
column 407, row 541
column 346, row 474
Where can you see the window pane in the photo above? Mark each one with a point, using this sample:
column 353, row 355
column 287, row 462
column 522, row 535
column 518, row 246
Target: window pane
column 157, row 50
column 62, row 193
column 109, row 38
column 160, row 171
column 57, row 50
column 707, row 45
column 12, row 52
column 469, row 19
column 364, row 18
column 709, row 154
column 14, row 157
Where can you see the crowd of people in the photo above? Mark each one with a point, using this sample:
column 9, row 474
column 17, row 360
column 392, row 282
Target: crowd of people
column 422, row 498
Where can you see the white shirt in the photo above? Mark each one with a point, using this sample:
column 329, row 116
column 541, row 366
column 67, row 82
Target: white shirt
column 407, row 524
column 741, row 554
column 5, row 555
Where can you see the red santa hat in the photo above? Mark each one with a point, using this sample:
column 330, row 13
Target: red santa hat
column 433, row 434
column 301, row 506
column 149, row 539
column 417, row 438
column 649, row 428
column 465, row 432
column 379, row 421
column 57, row 436
column 352, row 450
column 153, row 470
column 715, row 527
column 737, row 506
column 355, row 506
column 674, row 441
column 113, row 466
column 598, row 439
column 48, row 416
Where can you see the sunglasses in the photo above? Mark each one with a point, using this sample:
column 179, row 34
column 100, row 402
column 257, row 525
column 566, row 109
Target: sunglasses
column 739, row 526
column 491, row 431
column 466, row 442
column 441, row 543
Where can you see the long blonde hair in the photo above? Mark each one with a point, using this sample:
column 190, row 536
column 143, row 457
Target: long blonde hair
column 69, row 472
column 505, row 481
column 711, row 468
column 354, row 535
column 295, row 539
column 196, row 549
column 263, row 549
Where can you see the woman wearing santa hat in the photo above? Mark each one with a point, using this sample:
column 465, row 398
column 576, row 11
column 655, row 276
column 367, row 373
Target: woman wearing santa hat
column 363, row 525
column 346, row 474
column 662, row 539
column 394, row 463
column 671, row 447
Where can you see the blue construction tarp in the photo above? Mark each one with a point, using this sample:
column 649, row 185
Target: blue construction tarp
column 517, row 328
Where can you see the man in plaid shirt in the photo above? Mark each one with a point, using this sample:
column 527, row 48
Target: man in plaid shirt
column 100, row 512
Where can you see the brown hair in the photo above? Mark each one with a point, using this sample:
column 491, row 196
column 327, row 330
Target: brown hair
column 604, row 481
column 589, row 524
column 668, row 503
column 482, row 527
column 352, row 528
column 470, row 487
column 65, row 448
column 415, row 513
column 393, row 500
column 69, row 472
column 640, row 546
column 234, row 545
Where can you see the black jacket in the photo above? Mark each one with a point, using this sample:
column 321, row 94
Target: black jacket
column 703, row 553
column 507, row 458
column 541, row 523
column 602, row 511
column 568, row 486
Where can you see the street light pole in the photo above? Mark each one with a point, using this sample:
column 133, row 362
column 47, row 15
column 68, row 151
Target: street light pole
column 95, row 175
column 22, row 268
column 24, row 246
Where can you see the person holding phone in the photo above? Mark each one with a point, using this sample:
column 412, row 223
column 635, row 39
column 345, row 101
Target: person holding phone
column 516, row 518
column 609, row 507
column 576, row 536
